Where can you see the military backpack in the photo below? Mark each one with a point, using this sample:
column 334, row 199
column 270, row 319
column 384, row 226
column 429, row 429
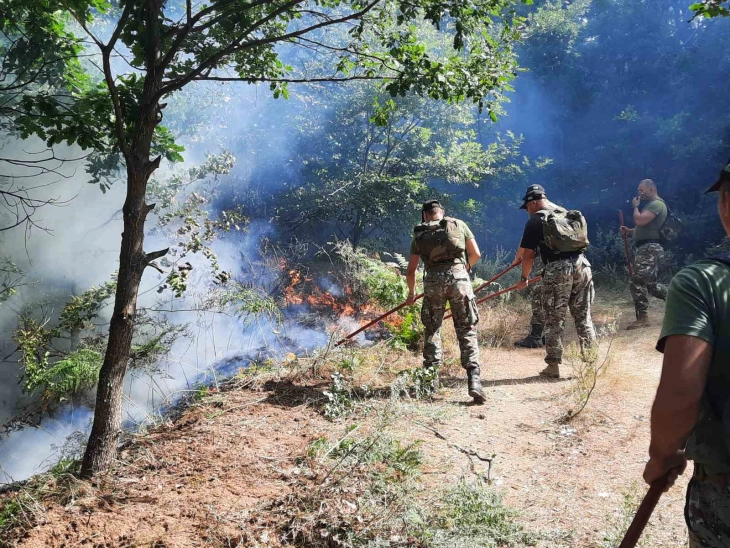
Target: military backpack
column 671, row 228
column 440, row 241
column 564, row 231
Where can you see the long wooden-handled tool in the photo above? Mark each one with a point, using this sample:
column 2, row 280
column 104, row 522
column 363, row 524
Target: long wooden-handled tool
column 626, row 243
column 397, row 308
column 498, row 293
column 376, row 320
column 495, row 278
column 644, row 513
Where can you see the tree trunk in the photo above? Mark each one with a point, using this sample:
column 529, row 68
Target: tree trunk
column 107, row 425
column 357, row 230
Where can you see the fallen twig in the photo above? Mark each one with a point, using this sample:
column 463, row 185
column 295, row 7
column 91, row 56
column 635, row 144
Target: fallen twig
column 468, row 452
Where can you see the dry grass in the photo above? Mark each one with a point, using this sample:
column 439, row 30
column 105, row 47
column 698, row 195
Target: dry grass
column 23, row 508
column 256, row 463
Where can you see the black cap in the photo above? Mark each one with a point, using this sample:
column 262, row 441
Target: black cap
column 724, row 176
column 431, row 204
column 533, row 192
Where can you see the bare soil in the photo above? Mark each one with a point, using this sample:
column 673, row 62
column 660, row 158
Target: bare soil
column 194, row 482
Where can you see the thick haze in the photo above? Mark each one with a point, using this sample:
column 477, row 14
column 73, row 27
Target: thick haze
column 616, row 91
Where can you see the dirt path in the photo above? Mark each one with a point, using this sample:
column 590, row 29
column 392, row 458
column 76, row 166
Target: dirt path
column 572, row 478
column 194, row 482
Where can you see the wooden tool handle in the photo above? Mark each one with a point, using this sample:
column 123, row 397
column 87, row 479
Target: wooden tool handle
column 632, row 536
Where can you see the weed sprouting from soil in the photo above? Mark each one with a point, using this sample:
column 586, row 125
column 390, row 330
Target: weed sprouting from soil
column 472, row 514
column 588, row 368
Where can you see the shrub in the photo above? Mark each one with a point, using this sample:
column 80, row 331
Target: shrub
column 408, row 333
column 371, row 279
column 71, row 376
column 339, row 397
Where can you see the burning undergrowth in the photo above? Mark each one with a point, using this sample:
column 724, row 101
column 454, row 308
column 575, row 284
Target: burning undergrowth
column 344, row 289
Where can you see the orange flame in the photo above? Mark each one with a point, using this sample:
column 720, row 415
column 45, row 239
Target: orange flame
column 301, row 290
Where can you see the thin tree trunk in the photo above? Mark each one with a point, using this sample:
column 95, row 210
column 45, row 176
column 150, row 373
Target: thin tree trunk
column 107, row 425
column 133, row 260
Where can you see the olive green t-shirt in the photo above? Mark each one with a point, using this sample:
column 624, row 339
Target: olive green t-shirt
column 651, row 230
column 465, row 234
column 698, row 305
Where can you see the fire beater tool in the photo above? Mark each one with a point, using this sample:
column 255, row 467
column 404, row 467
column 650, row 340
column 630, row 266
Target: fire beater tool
column 397, row 308
column 644, row 512
column 498, row 293
column 626, row 243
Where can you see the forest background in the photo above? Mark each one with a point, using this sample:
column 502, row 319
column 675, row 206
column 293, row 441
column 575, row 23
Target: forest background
column 608, row 93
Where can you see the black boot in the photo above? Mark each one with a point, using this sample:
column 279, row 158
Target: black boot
column 534, row 340
column 474, row 384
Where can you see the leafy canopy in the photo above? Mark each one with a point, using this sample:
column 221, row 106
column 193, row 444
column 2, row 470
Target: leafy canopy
column 151, row 49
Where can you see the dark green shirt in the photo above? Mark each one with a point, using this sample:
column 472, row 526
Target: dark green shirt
column 698, row 305
column 650, row 231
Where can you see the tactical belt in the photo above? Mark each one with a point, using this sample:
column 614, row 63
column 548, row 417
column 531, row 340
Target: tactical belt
column 644, row 242
column 700, row 474
column 563, row 257
column 443, row 266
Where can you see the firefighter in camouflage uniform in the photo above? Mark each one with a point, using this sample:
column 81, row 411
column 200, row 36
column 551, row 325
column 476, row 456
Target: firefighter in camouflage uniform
column 561, row 237
column 690, row 418
column 448, row 249
column 649, row 250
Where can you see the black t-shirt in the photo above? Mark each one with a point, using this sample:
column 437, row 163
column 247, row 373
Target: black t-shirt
column 533, row 238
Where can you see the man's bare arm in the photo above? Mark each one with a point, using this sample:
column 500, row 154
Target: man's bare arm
column 518, row 256
column 528, row 259
column 411, row 276
column 678, row 401
column 472, row 252
column 643, row 218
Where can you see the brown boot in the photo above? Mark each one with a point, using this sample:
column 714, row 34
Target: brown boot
column 642, row 320
column 552, row 371
column 474, row 384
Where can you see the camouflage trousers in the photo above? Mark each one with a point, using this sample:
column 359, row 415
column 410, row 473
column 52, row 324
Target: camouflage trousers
column 537, row 293
column 708, row 510
column 452, row 286
column 567, row 285
column 644, row 280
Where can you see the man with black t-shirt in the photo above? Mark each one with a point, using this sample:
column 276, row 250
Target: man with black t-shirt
column 567, row 281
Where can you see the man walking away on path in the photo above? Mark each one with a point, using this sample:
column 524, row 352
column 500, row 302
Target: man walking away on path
column 536, row 337
column 448, row 250
column 690, row 418
column 561, row 237
column 649, row 250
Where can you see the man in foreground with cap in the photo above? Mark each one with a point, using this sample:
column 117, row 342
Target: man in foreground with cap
column 561, row 237
column 690, row 418
column 448, row 250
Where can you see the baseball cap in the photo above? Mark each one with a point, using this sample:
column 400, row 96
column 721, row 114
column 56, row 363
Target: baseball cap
column 533, row 192
column 724, row 176
column 431, row 204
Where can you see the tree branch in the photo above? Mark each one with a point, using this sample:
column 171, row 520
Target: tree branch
column 289, row 80
column 153, row 255
column 237, row 46
column 120, row 26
